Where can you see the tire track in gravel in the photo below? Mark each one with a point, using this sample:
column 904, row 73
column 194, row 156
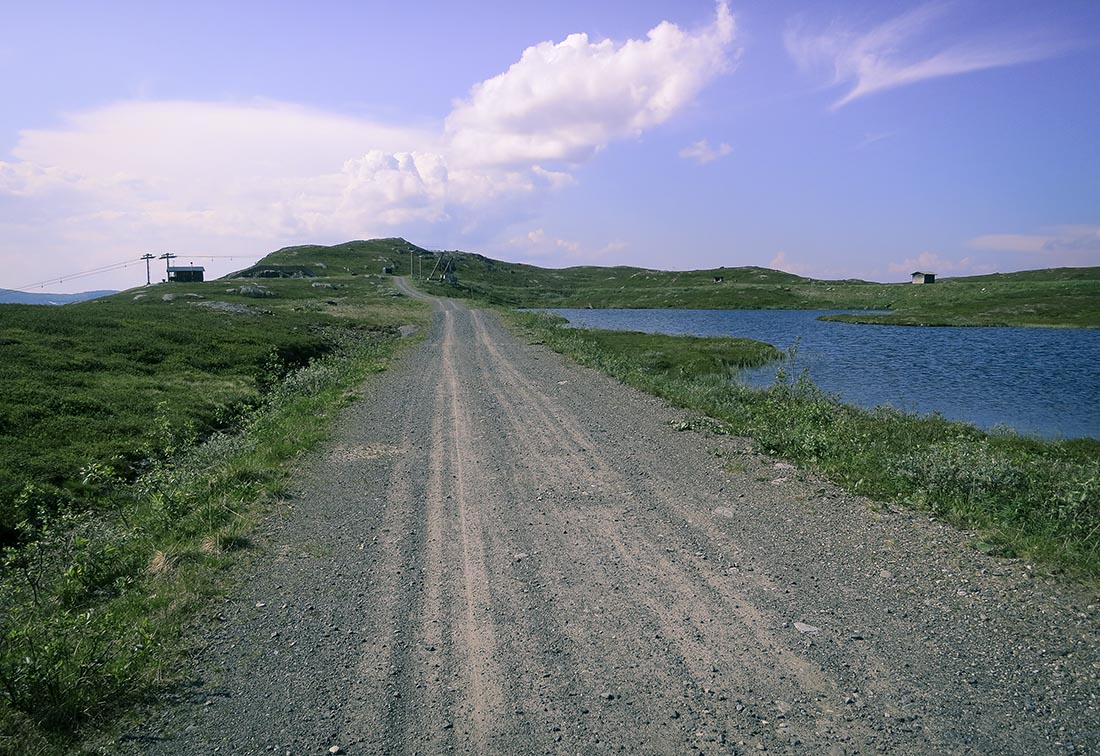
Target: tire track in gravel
column 478, row 637
column 701, row 639
column 532, row 560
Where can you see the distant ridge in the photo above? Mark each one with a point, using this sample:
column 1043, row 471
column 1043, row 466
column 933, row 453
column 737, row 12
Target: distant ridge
column 10, row 296
column 1053, row 297
column 1042, row 274
column 363, row 256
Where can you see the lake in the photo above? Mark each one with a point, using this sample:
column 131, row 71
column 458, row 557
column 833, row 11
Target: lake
column 1040, row 381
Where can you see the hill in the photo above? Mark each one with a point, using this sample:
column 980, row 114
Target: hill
column 1059, row 297
column 1053, row 297
column 353, row 258
column 1042, row 274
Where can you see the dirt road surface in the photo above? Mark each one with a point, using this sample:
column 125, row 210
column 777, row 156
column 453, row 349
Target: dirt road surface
column 503, row 553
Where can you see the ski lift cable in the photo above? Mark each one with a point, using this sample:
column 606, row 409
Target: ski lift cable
column 80, row 274
column 105, row 269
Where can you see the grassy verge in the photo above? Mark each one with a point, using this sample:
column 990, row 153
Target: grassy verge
column 147, row 437
column 1026, row 496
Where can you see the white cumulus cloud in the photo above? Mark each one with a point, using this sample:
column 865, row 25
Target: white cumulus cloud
column 221, row 177
column 780, row 262
column 562, row 102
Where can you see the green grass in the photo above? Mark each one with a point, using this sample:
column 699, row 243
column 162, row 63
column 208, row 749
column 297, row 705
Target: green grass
column 1027, row 497
column 83, row 382
column 141, row 441
column 1023, row 299
column 1058, row 297
column 685, row 355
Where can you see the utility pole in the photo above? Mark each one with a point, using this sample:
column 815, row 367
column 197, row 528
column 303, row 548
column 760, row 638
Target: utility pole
column 147, row 257
column 167, row 257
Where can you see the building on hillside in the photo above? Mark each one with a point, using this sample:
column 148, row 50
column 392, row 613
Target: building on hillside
column 185, row 273
column 923, row 278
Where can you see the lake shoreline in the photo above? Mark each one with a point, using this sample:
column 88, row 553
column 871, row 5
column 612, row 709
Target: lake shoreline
column 1036, row 381
column 1024, row 496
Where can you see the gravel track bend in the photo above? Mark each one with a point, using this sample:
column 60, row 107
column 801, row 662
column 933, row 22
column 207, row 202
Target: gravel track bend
column 504, row 553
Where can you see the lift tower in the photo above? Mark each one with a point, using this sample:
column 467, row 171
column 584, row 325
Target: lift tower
column 148, row 278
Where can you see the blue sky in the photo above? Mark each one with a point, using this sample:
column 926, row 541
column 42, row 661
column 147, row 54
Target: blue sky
column 832, row 139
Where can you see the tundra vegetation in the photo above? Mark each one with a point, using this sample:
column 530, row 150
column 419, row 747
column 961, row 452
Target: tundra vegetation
column 141, row 437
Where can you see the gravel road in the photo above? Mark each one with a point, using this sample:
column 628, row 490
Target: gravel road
column 504, row 553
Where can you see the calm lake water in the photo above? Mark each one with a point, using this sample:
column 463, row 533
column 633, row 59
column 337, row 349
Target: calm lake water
column 1041, row 381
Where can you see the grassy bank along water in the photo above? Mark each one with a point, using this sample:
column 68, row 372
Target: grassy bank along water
column 143, row 436
column 682, row 355
column 1059, row 297
column 1025, row 496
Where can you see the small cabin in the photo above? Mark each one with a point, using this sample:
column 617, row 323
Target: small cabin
column 923, row 278
column 186, row 273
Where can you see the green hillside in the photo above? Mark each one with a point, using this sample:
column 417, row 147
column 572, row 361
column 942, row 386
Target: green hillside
column 353, row 258
column 1042, row 274
column 1054, row 297
column 1067, row 297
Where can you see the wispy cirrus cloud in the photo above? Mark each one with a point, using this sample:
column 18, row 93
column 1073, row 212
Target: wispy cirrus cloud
column 217, row 177
column 915, row 46
column 872, row 138
column 1025, row 243
column 1083, row 240
column 702, row 152
column 1059, row 246
column 538, row 246
column 932, row 262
